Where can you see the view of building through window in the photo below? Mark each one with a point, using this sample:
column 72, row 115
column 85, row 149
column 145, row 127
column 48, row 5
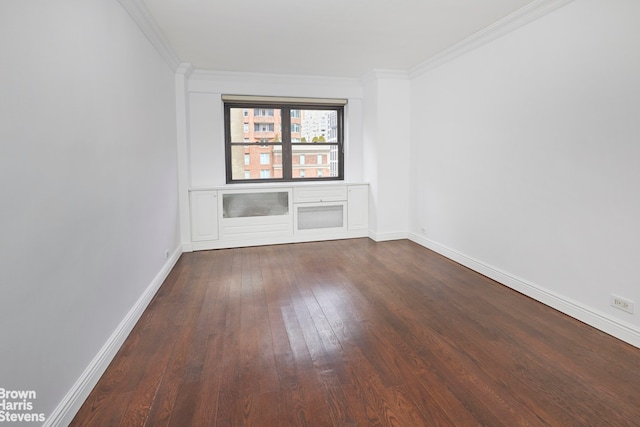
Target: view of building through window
column 259, row 149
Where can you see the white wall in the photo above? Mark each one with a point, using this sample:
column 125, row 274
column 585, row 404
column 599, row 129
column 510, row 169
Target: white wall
column 525, row 160
column 206, row 120
column 369, row 142
column 376, row 143
column 89, row 193
column 387, row 152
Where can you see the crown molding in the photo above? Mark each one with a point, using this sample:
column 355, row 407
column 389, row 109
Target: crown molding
column 384, row 73
column 184, row 69
column 510, row 23
column 141, row 16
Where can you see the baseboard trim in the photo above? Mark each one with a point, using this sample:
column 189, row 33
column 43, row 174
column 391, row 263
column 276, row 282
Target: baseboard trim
column 63, row 414
column 228, row 243
column 588, row 315
column 384, row 237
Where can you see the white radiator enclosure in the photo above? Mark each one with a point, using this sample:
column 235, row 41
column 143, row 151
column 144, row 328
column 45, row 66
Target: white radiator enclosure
column 262, row 214
column 320, row 217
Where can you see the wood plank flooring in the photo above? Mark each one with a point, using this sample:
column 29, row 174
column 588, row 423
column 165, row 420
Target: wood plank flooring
column 357, row 333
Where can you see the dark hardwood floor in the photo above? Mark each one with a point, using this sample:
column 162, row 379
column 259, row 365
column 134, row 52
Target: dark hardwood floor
column 357, row 333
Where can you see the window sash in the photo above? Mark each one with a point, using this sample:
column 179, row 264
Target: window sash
column 285, row 145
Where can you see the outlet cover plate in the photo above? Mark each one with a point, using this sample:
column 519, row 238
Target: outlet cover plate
column 622, row 303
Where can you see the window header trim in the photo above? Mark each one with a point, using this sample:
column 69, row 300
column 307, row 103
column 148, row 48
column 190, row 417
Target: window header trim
column 269, row 100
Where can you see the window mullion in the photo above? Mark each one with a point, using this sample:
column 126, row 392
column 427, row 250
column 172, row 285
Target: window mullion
column 287, row 161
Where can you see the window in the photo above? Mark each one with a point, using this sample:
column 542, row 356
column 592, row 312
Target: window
column 263, row 127
column 247, row 159
column 284, row 133
column 247, row 174
column 263, row 112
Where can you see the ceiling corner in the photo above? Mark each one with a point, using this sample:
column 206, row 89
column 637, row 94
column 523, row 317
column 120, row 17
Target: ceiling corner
column 512, row 22
column 142, row 18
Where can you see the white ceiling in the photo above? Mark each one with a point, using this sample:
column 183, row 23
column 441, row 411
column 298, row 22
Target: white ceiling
column 345, row 38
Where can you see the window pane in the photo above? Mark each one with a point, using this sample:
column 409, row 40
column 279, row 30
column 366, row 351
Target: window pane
column 255, row 125
column 256, row 161
column 315, row 160
column 315, row 126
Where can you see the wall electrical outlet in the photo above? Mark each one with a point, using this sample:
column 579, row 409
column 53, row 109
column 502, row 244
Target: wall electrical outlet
column 622, row 303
